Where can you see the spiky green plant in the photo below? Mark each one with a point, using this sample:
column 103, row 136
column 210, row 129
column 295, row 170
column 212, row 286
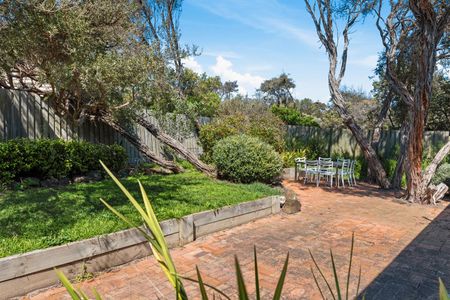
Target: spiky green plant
column 338, row 293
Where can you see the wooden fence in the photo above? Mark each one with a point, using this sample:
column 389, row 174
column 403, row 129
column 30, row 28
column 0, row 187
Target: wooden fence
column 341, row 141
column 26, row 115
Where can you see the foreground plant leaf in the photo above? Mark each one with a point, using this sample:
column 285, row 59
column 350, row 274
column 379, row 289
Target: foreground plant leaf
column 443, row 294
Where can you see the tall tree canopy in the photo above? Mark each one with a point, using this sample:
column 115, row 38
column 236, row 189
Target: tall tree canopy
column 278, row 90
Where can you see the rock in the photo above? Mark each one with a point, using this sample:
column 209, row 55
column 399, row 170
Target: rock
column 50, row 182
column 291, row 205
column 80, row 179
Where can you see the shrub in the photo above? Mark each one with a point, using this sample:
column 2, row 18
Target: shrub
column 45, row 158
column 442, row 174
column 242, row 158
column 291, row 116
column 257, row 122
column 289, row 157
column 313, row 148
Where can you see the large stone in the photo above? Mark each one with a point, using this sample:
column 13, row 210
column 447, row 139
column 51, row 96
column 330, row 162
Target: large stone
column 292, row 204
column 50, row 182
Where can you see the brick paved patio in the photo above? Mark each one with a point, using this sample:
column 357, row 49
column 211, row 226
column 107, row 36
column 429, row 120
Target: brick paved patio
column 402, row 249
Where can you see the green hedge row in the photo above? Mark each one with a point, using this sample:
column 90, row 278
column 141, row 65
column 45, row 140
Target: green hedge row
column 47, row 158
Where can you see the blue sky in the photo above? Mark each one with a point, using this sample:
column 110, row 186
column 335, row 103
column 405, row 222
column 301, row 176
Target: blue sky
column 250, row 41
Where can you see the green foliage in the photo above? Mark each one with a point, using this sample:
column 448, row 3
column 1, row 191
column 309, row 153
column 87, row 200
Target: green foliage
column 45, row 158
column 291, row 116
column 243, row 158
column 289, row 157
column 202, row 93
column 277, row 90
column 313, row 148
column 240, row 117
column 44, row 217
column 442, row 174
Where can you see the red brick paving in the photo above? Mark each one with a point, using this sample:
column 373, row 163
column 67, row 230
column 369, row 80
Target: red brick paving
column 383, row 229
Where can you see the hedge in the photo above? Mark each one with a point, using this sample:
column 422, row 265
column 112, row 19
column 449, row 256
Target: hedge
column 47, row 158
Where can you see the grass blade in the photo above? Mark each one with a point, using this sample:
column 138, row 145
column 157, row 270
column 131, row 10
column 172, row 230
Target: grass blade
column 242, row 291
column 443, row 294
column 321, row 274
column 359, row 283
column 201, row 285
column 258, row 292
column 207, row 285
column 317, row 283
column 69, row 287
column 336, row 279
column 280, row 283
column 349, row 266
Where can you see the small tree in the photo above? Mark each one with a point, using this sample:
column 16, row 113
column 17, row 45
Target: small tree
column 278, row 90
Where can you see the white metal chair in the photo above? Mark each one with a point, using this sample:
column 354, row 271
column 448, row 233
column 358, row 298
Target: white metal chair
column 300, row 167
column 344, row 171
column 311, row 169
column 326, row 169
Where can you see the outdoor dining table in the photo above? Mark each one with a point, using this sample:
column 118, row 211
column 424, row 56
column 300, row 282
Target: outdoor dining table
column 336, row 164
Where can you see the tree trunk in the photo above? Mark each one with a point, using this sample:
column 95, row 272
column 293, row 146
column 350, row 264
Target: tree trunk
column 400, row 167
column 369, row 153
column 142, row 148
column 175, row 145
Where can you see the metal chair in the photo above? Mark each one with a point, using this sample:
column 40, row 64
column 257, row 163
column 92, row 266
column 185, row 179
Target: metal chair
column 300, row 166
column 311, row 169
column 324, row 159
column 326, row 169
column 344, row 171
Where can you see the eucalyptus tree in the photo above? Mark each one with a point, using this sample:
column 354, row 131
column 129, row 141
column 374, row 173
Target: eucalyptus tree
column 421, row 27
column 278, row 90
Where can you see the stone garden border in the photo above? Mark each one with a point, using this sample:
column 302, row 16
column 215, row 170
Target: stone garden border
column 24, row 273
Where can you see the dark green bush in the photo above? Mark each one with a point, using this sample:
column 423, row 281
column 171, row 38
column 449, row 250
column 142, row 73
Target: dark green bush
column 46, row 158
column 291, row 116
column 242, row 158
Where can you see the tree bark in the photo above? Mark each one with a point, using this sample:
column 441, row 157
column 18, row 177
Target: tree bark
column 368, row 151
column 175, row 145
column 400, row 167
column 142, row 148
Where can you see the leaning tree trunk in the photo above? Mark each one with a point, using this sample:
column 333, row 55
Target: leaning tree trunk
column 368, row 151
column 175, row 145
column 142, row 148
column 425, row 192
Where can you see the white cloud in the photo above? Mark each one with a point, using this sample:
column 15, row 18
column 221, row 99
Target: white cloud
column 247, row 82
column 192, row 64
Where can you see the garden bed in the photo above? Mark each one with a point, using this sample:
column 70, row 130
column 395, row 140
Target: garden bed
column 45, row 217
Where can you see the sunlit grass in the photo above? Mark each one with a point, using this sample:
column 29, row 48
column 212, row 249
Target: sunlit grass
column 40, row 218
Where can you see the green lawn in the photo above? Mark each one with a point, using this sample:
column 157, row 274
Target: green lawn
column 40, row 218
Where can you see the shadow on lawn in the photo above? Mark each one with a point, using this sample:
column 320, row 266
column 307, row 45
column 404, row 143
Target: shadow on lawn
column 414, row 273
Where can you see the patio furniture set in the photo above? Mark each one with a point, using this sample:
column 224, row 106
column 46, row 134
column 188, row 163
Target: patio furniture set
column 325, row 168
